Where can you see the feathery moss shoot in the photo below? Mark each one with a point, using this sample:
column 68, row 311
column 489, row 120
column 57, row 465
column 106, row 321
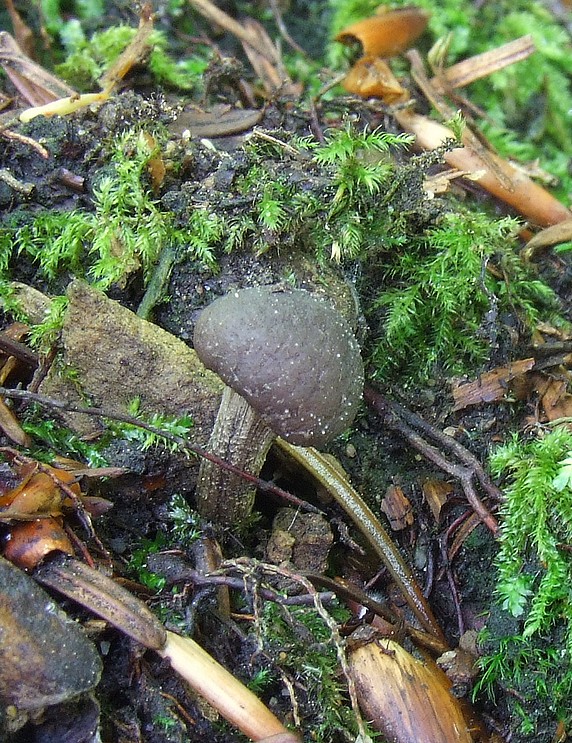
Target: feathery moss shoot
column 534, row 578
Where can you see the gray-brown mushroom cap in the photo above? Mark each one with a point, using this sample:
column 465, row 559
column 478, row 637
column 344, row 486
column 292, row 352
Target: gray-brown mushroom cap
column 292, row 356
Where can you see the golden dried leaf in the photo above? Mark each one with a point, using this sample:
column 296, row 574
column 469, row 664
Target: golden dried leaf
column 388, row 33
column 370, row 77
column 30, row 541
column 405, row 699
column 38, row 492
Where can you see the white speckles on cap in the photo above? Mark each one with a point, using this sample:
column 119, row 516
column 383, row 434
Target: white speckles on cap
column 290, row 355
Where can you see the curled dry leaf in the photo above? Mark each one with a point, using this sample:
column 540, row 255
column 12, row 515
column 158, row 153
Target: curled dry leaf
column 388, row 33
column 436, row 493
column 28, row 542
column 553, row 235
column 405, row 699
column 370, row 77
column 397, row 507
column 38, row 492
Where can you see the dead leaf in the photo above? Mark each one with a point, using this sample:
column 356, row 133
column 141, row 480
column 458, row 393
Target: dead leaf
column 436, row 493
column 491, row 386
column 30, row 541
column 36, row 672
column 268, row 66
column 35, row 85
column 553, row 235
column 397, row 507
column 556, row 402
column 388, row 33
column 221, row 121
column 370, row 77
column 405, row 699
column 12, row 428
column 23, row 33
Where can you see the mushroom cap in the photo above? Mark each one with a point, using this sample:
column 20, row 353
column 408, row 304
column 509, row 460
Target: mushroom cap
column 292, row 356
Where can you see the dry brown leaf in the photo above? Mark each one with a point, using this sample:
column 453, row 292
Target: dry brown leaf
column 30, row 541
column 491, row 386
column 441, row 182
column 556, row 402
column 220, row 121
column 370, row 77
column 468, row 526
column 436, row 493
column 460, row 666
column 12, row 428
column 397, row 507
column 35, row 85
column 135, row 52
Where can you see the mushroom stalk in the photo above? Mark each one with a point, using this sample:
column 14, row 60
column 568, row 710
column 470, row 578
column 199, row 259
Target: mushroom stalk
column 242, row 438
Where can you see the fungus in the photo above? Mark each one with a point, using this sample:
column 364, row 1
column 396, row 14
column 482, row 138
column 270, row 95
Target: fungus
column 292, row 368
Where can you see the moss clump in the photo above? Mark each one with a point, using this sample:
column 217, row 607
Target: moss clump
column 534, row 581
column 88, row 60
column 436, row 295
column 324, row 197
column 302, row 642
column 125, row 233
column 535, row 569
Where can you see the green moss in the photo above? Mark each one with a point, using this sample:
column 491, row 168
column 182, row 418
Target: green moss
column 535, row 572
column 330, row 205
column 124, row 234
column 301, row 641
column 427, row 293
column 538, row 679
column 534, row 578
column 432, row 310
column 88, row 60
